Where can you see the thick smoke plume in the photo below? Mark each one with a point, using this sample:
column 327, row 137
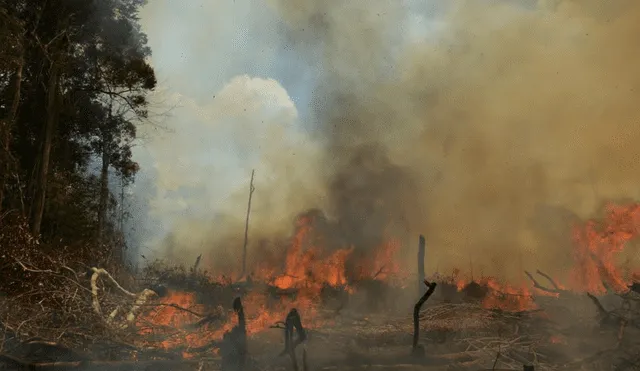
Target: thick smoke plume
column 491, row 132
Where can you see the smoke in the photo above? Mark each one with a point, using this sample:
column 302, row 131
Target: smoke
column 488, row 127
column 249, row 123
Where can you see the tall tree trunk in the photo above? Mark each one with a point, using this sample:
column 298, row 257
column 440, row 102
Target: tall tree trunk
column 43, row 173
column 104, row 190
column 6, row 128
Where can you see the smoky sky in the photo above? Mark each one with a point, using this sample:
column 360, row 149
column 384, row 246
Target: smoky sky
column 491, row 130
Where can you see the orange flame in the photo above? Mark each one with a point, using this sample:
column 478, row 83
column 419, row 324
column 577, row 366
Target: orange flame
column 169, row 318
column 308, row 269
column 508, row 298
column 597, row 246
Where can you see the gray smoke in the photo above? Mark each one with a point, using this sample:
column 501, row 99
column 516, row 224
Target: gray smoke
column 515, row 112
column 490, row 127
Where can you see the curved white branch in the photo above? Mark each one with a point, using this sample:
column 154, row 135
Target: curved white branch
column 141, row 298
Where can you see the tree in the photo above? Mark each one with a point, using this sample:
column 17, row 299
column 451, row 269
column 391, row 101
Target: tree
column 73, row 83
column 121, row 79
column 11, row 60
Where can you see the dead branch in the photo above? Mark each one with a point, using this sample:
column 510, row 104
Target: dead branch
column 551, row 280
column 140, row 299
column 495, row 362
column 609, row 318
column 538, row 286
column 603, row 271
column 603, row 313
column 32, row 270
column 205, row 321
column 416, row 315
column 196, row 264
column 379, row 272
column 176, row 306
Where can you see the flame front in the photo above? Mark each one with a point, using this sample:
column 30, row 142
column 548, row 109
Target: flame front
column 309, row 268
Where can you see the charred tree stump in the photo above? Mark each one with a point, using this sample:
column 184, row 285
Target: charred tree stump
column 233, row 349
column 419, row 350
column 293, row 322
column 421, row 274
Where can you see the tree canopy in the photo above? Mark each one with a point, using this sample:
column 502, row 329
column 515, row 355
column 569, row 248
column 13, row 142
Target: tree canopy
column 74, row 81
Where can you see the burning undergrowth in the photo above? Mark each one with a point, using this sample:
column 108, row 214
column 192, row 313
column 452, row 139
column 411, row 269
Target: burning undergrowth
column 168, row 311
column 315, row 275
column 312, row 274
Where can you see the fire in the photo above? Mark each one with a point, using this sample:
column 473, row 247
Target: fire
column 382, row 263
column 169, row 318
column 496, row 295
column 597, row 246
column 596, row 270
column 507, row 297
column 308, row 269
